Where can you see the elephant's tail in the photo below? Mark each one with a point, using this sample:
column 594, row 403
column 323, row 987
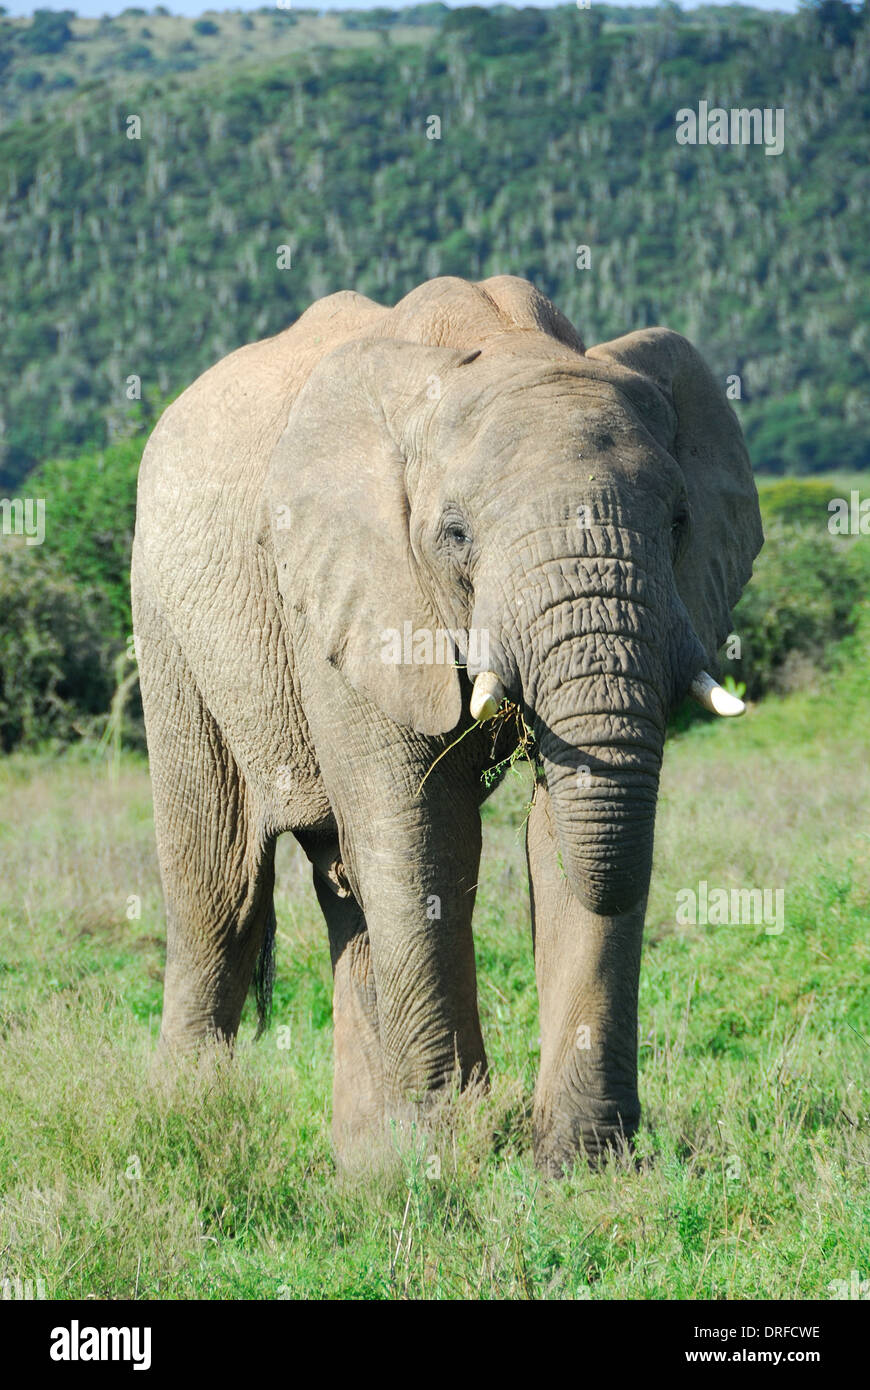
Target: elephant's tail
column 264, row 976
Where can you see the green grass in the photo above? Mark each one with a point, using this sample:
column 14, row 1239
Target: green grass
column 120, row 1179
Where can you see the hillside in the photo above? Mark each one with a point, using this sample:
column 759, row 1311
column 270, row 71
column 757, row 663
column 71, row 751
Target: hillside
column 150, row 257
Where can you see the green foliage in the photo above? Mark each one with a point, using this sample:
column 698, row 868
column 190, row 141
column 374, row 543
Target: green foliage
column 49, row 31
column 836, row 20
column 432, row 13
column 493, row 31
column 90, row 516
column 206, row 27
column 65, row 604
column 369, row 19
column 558, row 130
column 802, row 601
column 56, row 651
column 28, row 79
column 796, row 500
column 137, row 55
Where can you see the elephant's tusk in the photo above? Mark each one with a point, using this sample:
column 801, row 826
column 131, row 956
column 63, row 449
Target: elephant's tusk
column 712, row 696
column 486, row 696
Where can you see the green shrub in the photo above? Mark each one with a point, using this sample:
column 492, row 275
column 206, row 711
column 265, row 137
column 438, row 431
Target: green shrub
column 379, row 18
column 206, row 27
column 90, row 507
column 65, row 605
column 56, row 649
column 136, row 55
column 796, row 500
column 802, row 601
column 28, row 79
column 48, row 32
column 424, row 14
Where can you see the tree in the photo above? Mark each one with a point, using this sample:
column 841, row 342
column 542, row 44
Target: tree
column 49, row 31
column 837, row 19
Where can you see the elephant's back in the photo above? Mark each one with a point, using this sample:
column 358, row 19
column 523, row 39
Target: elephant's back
column 204, row 465
column 226, row 423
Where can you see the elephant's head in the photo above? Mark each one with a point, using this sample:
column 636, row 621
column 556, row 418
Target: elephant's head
column 588, row 519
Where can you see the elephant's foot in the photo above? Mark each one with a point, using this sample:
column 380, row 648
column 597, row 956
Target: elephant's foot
column 185, row 1033
column 416, row 1130
column 605, row 1132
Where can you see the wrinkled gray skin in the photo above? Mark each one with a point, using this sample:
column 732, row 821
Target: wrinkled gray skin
column 456, row 462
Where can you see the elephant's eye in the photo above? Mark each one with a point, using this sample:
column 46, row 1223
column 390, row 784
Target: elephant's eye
column 457, row 534
column 679, row 530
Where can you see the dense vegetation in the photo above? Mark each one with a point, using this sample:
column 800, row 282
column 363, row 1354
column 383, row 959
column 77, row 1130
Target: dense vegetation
column 128, row 265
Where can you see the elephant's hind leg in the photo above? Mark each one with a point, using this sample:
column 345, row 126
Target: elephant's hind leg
column 216, row 862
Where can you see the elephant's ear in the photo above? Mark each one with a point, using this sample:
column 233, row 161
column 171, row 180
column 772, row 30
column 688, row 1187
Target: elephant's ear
column 340, row 523
column 708, row 445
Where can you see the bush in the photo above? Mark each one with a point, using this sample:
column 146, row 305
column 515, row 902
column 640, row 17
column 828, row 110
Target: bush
column 370, row 19
column 48, row 32
column 136, row 55
column 801, row 603
column 90, row 507
column 797, row 501
column 56, row 651
column 426, row 14
column 206, row 27
column 28, row 79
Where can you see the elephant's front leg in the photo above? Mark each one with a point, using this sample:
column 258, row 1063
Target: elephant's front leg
column 412, row 861
column 415, row 867
column 587, row 969
column 409, row 839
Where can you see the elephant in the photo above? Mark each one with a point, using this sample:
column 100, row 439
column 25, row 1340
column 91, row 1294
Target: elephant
column 364, row 549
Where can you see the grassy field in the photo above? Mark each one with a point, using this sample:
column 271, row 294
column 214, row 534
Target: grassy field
column 119, row 1181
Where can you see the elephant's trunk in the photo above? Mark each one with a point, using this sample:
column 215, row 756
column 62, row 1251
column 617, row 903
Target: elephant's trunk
column 603, row 793
column 598, row 698
column 598, row 702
